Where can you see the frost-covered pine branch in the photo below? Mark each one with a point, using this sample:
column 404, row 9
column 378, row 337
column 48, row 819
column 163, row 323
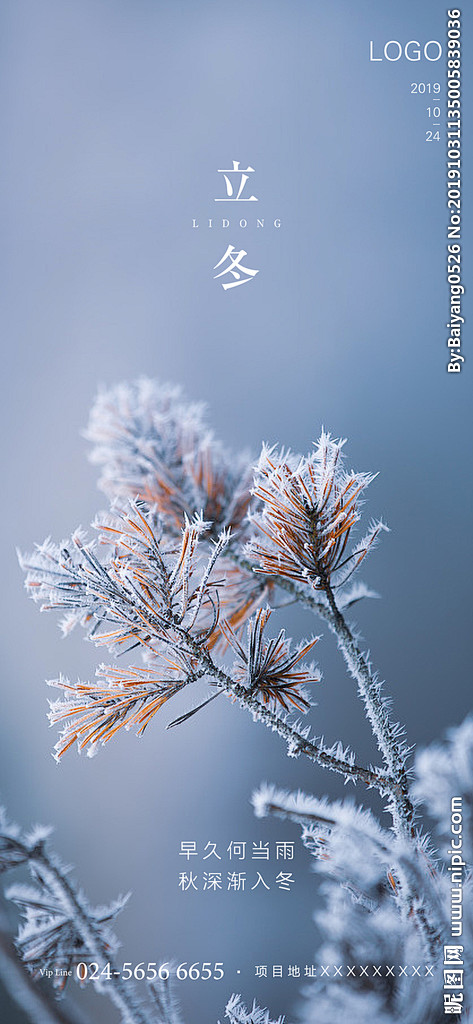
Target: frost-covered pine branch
column 444, row 773
column 304, row 510
column 353, row 843
column 366, row 919
column 60, row 928
column 151, row 442
column 237, row 1013
column 162, row 595
column 165, row 1004
column 34, row 1002
column 307, row 510
column 187, row 564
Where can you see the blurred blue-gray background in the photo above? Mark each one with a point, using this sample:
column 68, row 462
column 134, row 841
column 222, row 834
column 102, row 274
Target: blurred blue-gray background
column 116, row 116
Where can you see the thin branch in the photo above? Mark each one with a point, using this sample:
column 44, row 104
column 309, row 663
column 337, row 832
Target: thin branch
column 300, row 594
column 25, row 993
column 121, row 993
column 388, row 735
column 46, row 871
column 297, row 741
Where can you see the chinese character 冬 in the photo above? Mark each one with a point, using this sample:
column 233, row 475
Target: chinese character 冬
column 285, row 880
column 236, row 177
column 235, row 257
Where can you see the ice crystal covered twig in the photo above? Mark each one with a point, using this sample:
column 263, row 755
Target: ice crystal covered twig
column 33, row 1001
column 181, row 582
column 309, row 507
column 365, row 920
column 353, row 841
column 444, row 782
column 151, row 442
column 389, row 735
column 269, row 667
column 237, row 1013
column 355, row 593
column 165, row 1003
column 153, row 593
column 60, row 928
